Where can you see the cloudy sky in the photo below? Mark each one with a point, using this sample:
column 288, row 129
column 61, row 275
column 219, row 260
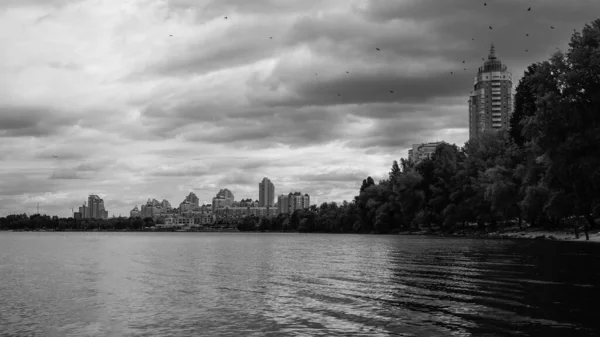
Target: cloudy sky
column 147, row 99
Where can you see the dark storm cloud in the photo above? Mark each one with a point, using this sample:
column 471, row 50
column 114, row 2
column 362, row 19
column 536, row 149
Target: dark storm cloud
column 462, row 20
column 23, row 121
column 504, row 10
column 235, row 47
column 373, row 87
column 233, row 8
column 333, row 177
column 401, row 133
column 293, row 127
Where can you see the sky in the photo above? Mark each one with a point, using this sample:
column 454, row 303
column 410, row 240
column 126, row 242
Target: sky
column 138, row 99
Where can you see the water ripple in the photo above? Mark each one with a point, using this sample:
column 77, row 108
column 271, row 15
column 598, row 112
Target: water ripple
column 216, row 284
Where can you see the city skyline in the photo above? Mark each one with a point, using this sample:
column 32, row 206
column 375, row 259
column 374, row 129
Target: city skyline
column 152, row 99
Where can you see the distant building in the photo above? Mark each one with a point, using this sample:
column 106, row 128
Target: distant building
column 135, row 212
column 223, row 199
column 152, row 209
column 422, row 151
column 192, row 199
column 226, row 194
column 490, row 104
column 266, row 193
column 165, row 204
column 95, row 208
column 287, row 204
column 248, row 202
column 240, row 212
column 195, row 218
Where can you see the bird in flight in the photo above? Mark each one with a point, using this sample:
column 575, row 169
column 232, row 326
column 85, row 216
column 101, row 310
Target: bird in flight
column 551, row 27
column 347, row 72
column 529, row 9
column 391, row 91
column 526, row 34
column 55, row 157
column 526, row 50
column 463, row 62
column 473, row 39
column 451, row 73
column 339, row 94
column 271, row 37
column 225, row 18
column 171, row 35
column 377, row 48
column 485, row 3
column 490, row 27
column 465, row 69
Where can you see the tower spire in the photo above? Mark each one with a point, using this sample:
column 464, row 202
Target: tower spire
column 492, row 54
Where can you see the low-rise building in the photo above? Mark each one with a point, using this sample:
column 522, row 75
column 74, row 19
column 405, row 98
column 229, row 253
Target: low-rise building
column 422, row 151
column 287, row 204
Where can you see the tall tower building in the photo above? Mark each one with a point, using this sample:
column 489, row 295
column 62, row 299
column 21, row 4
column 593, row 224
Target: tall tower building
column 266, row 193
column 95, row 208
column 490, row 104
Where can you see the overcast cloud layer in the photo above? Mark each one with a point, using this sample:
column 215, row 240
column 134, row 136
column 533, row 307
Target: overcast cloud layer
column 292, row 90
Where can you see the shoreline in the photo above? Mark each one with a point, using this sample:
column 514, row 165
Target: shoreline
column 507, row 233
column 526, row 234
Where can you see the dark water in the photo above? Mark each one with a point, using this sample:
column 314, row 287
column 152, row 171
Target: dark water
column 211, row 284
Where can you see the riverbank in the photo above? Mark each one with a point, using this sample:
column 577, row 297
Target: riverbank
column 516, row 233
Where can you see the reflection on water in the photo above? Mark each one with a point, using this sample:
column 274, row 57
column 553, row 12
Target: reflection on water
column 210, row 284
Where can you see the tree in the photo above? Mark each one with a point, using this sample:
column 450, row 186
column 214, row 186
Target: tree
column 566, row 126
column 525, row 100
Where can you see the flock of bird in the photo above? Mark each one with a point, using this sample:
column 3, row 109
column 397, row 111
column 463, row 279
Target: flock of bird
column 451, row 73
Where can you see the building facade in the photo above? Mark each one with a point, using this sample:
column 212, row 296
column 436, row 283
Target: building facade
column 240, row 212
column 266, row 193
column 152, row 209
column 491, row 103
column 422, row 151
column 135, row 212
column 287, row 204
column 192, row 199
column 95, row 208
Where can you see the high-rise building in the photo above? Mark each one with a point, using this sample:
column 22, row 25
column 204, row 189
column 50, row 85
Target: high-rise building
column 266, row 193
column 490, row 104
column 95, row 208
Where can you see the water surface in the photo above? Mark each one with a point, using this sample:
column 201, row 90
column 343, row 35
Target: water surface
column 211, row 284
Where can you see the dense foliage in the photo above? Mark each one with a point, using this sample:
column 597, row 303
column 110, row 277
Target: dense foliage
column 543, row 171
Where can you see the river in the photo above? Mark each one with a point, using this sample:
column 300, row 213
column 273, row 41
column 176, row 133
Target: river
column 253, row 284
